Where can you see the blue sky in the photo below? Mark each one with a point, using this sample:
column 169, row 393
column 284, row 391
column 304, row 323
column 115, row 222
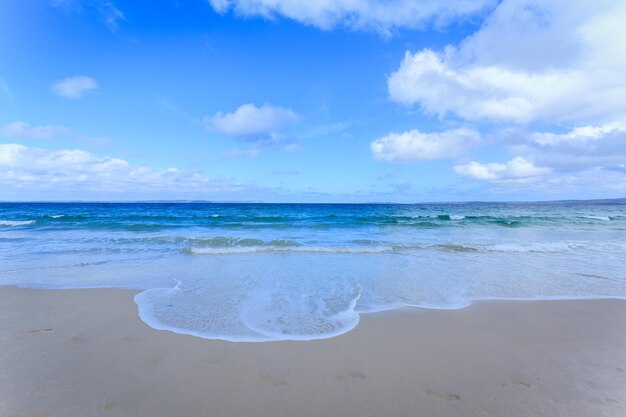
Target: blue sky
column 346, row 101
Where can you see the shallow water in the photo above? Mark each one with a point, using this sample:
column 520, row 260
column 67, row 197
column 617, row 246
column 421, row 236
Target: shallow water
column 258, row 272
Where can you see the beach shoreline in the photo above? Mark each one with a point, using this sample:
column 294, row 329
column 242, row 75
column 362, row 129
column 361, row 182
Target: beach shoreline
column 86, row 352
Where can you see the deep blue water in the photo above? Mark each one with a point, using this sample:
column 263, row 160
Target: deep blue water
column 302, row 271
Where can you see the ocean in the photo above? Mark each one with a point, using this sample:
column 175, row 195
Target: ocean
column 264, row 272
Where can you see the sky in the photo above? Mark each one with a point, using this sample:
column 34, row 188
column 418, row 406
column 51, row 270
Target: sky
column 312, row 100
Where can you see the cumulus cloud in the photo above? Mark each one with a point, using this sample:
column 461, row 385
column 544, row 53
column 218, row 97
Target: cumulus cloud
column 584, row 156
column 549, row 63
column 23, row 130
column 71, row 169
column 382, row 16
column 249, row 122
column 74, row 87
column 580, row 135
column 599, row 182
column 533, row 60
column 419, row 146
column 516, row 170
column 581, row 148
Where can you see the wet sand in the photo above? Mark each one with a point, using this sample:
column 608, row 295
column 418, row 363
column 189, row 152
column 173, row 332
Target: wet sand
column 86, row 353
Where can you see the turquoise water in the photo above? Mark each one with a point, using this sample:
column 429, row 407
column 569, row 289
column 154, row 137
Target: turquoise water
column 260, row 272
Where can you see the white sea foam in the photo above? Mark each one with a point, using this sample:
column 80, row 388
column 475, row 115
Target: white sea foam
column 539, row 247
column 16, row 222
column 308, row 272
column 603, row 218
column 557, row 246
column 258, row 307
column 270, row 248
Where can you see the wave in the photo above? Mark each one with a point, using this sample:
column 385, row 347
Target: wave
column 445, row 217
column 273, row 248
column 114, row 221
column 17, row 222
column 451, row 247
column 603, row 218
column 372, row 247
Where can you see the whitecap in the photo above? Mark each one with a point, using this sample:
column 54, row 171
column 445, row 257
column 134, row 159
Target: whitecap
column 16, row 222
column 603, row 218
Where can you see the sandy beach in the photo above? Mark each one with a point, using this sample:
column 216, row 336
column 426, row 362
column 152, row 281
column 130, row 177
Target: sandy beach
column 86, row 353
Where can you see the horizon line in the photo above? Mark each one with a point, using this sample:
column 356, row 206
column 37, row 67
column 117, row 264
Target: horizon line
column 193, row 201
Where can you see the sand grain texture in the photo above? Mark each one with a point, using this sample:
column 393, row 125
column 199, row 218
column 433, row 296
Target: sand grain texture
column 86, row 353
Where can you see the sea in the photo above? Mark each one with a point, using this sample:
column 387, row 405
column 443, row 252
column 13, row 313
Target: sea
column 252, row 272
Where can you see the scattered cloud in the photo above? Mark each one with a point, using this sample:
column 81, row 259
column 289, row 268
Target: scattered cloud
column 261, row 125
column 516, row 170
column 381, row 16
column 585, row 156
column 22, row 130
column 602, row 182
column 414, row 145
column 74, row 87
column 239, row 153
column 328, row 129
column 581, row 148
column 72, row 169
column 575, row 74
column 553, row 64
column 4, row 88
column 248, row 120
column 580, row 135
column 109, row 13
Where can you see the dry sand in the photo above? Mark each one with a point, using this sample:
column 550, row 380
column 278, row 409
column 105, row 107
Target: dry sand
column 86, row 353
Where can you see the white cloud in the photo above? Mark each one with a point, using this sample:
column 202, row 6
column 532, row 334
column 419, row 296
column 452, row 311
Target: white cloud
column 551, row 60
column 550, row 63
column 516, row 170
column 25, row 131
column 4, row 88
column 23, row 158
column 74, row 87
column 382, row 16
column 252, row 122
column 418, row 146
column 588, row 183
column 109, row 13
column 581, row 148
column 580, row 135
column 239, row 153
column 585, row 156
column 23, row 167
